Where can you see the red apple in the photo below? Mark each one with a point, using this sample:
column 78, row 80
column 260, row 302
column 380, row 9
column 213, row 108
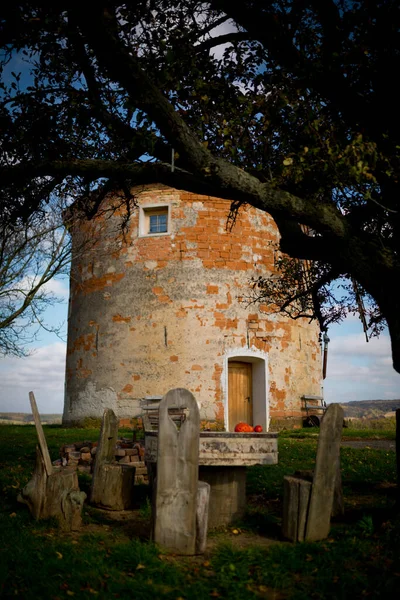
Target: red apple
column 258, row 429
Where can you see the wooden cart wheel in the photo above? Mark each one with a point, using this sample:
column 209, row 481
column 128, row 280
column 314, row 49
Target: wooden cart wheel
column 312, row 421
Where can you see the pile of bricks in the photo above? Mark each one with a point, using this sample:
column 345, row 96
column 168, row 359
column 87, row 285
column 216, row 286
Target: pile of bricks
column 82, row 455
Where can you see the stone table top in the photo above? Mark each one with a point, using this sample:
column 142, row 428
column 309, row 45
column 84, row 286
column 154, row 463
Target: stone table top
column 222, row 448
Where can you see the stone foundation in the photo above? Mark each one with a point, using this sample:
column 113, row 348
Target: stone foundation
column 277, row 424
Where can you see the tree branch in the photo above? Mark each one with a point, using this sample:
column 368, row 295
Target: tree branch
column 269, row 29
column 116, row 127
column 307, row 247
column 56, row 262
column 229, row 182
column 227, row 38
column 225, row 179
column 214, row 24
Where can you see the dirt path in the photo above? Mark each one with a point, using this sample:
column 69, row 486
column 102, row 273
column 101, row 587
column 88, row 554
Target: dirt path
column 360, row 443
column 374, row 444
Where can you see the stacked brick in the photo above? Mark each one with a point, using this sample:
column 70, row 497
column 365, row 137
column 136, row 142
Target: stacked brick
column 82, row 455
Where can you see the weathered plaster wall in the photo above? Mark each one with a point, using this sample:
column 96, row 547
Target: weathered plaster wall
column 151, row 313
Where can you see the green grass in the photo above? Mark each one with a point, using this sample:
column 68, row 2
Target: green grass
column 382, row 424
column 368, row 475
column 366, row 433
column 112, row 559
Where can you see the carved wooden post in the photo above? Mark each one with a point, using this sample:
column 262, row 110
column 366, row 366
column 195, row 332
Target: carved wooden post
column 41, row 437
column 325, row 472
column 51, row 492
column 307, row 507
column 176, row 490
column 112, row 484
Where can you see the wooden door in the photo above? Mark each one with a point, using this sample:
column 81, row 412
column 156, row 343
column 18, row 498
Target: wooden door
column 239, row 393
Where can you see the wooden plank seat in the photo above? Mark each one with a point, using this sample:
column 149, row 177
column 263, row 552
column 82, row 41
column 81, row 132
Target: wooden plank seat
column 151, row 415
column 315, row 409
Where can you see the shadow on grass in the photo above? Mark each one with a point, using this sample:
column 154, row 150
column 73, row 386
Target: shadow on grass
column 134, row 523
column 128, row 523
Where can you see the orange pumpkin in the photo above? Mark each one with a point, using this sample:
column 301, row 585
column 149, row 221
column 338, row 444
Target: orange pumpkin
column 243, row 428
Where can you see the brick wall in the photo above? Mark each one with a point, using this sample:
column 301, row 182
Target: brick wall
column 151, row 313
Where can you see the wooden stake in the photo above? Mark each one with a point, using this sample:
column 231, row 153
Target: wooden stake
column 40, row 433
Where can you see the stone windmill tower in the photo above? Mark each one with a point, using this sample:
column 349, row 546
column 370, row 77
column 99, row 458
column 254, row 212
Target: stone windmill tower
column 159, row 307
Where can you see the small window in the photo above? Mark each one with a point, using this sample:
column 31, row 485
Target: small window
column 154, row 220
column 158, row 223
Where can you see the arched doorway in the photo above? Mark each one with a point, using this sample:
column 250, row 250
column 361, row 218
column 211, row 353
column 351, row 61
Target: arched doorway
column 245, row 379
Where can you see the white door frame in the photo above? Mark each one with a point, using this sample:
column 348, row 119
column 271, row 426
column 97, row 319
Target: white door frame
column 260, row 388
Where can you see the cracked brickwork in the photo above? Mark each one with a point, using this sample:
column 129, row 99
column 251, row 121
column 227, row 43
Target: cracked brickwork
column 150, row 313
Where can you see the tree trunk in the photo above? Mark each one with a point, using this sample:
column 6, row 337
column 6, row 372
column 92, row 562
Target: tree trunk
column 114, row 486
column 55, row 495
column 393, row 322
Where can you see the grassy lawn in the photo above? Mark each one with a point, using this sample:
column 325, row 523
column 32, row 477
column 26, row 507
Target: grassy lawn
column 348, row 433
column 113, row 559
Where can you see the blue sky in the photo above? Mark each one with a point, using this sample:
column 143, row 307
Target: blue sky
column 356, row 370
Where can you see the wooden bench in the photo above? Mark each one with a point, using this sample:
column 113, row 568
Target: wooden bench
column 312, row 405
column 150, row 415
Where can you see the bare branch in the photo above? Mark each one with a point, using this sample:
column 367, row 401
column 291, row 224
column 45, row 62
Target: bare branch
column 214, row 24
column 227, row 38
column 32, row 254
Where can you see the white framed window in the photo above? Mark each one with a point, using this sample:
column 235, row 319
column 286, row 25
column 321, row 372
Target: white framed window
column 154, row 220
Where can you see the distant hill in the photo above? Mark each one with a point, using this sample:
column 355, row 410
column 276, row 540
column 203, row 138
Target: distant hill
column 359, row 409
column 370, row 409
column 25, row 418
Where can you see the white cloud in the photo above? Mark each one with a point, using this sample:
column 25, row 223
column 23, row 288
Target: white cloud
column 358, row 370
column 42, row 372
column 58, row 287
column 355, row 344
